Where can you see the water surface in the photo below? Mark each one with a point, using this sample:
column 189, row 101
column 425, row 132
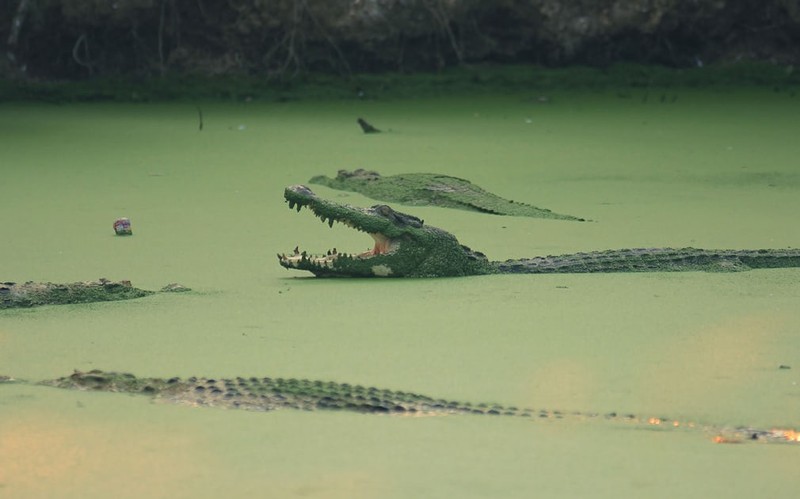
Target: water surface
column 714, row 169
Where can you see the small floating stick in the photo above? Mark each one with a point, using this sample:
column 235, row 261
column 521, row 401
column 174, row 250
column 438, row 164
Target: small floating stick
column 366, row 127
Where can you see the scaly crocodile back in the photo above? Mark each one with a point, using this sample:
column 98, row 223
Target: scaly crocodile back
column 653, row 260
column 266, row 394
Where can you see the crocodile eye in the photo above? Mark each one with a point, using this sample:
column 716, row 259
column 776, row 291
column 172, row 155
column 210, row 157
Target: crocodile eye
column 384, row 210
column 94, row 378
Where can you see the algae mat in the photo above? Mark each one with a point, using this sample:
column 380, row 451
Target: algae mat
column 712, row 169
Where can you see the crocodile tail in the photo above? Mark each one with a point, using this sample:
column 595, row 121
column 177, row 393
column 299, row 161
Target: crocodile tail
column 653, row 260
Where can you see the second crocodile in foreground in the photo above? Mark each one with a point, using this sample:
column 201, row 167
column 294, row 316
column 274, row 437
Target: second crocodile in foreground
column 267, row 394
column 406, row 247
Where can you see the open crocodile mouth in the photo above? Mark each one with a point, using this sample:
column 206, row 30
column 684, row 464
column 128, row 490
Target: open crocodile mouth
column 362, row 219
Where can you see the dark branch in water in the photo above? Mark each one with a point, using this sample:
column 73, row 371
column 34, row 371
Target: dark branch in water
column 200, row 118
column 366, row 127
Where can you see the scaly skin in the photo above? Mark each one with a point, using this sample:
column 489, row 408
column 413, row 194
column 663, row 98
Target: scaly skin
column 432, row 189
column 406, row 247
column 266, row 394
column 34, row 294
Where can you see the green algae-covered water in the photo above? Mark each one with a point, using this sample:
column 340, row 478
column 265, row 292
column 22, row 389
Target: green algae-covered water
column 707, row 168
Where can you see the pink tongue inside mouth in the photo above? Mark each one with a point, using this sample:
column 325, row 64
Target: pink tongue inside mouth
column 381, row 245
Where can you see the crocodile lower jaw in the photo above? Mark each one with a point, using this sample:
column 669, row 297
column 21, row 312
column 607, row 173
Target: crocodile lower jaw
column 300, row 259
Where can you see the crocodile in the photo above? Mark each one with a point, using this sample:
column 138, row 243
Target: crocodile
column 34, row 294
column 267, row 394
column 406, row 247
column 420, row 189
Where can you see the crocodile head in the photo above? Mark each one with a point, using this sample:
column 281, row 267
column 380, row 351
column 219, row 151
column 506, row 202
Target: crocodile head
column 96, row 380
column 404, row 245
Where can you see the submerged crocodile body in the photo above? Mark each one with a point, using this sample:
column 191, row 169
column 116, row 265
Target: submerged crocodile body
column 34, row 294
column 420, row 189
column 266, row 394
column 406, row 247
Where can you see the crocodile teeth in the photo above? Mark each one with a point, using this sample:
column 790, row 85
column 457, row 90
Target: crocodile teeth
column 330, row 222
column 291, row 204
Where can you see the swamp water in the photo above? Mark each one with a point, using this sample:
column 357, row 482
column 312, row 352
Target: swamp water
column 714, row 169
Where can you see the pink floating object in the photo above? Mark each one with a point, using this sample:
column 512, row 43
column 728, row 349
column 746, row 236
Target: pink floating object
column 122, row 226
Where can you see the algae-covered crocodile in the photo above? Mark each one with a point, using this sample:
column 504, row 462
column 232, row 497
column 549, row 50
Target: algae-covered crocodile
column 432, row 189
column 406, row 247
column 266, row 394
column 34, row 294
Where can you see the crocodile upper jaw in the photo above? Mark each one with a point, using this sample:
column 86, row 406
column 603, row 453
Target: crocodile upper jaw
column 368, row 220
